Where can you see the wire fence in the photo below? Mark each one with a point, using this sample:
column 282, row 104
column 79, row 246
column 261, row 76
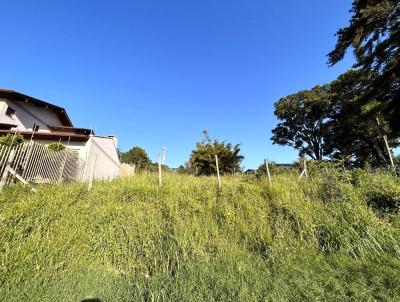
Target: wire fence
column 32, row 162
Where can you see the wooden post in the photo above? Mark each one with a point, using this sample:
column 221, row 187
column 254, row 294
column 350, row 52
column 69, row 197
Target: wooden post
column 92, row 173
column 305, row 168
column 134, row 168
column 159, row 171
column 304, row 172
column 269, row 175
column 6, row 172
column 389, row 152
column 219, row 177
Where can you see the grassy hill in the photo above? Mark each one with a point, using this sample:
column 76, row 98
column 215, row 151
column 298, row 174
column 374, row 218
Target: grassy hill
column 331, row 237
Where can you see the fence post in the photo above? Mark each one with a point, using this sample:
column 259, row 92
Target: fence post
column 134, row 168
column 304, row 172
column 269, row 175
column 305, row 168
column 159, row 171
column 219, row 177
column 4, row 177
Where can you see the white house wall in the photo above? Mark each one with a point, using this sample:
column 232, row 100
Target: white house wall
column 3, row 106
column 103, row 159
column 27, row 114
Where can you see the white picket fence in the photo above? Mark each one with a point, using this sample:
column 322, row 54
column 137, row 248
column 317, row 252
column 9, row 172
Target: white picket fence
column 32, row 162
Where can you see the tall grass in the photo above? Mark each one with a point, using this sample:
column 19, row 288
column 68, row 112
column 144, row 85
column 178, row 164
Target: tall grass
column 328, row 237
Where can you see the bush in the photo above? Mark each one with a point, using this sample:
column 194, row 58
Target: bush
column 381, row 191
column 11, row 140
column 56, row 147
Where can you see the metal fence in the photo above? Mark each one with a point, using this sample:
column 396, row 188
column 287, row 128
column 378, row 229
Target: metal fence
column 32, row 162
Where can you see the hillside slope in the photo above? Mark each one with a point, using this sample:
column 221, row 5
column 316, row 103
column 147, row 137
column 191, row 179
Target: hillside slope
column 325, row 238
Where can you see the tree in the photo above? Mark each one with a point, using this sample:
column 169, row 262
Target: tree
column 303, row 121
column 353, row 134
column 374, row 36
column 334, row 121
column 396, row 160
column 202, row 159
column 137, row 156
column 185, row 169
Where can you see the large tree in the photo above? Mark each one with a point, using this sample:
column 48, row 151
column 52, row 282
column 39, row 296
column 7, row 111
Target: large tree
column 353, row 133
column 374, row 36
column 137, row 156
column 335, row 122
column 202, row 159
column 302, row 119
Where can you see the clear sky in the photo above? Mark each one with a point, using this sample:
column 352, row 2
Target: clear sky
column 156, row 73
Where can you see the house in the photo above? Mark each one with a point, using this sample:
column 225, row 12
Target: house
column 46, row 123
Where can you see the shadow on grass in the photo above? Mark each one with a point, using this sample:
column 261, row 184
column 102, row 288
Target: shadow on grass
column 91, row 300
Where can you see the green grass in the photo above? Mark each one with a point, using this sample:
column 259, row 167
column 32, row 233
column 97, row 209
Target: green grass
column 332, row 237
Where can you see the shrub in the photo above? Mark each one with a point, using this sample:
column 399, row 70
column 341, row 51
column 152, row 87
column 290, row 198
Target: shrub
column 56, row 147
column 11, row 139
column 381, row 191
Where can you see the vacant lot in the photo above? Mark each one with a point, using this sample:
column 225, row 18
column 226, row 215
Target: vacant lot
column 329, row 237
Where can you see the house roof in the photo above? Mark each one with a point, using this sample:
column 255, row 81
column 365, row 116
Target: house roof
column 84, row 131
column 16, row 96
column 53, row 136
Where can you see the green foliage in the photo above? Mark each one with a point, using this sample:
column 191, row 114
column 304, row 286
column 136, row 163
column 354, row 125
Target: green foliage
column 11, row 139
column 202, row 159
column 137, row 156
column 382, row 194
column 56, row 147
column 354, row 135
column 274, row 169
column 357, row 98
column 185, row 169
column 154, row 168
column 374, row 36
column 333, row 122
column 302, row 119
column 127, row 240
column 396, row 160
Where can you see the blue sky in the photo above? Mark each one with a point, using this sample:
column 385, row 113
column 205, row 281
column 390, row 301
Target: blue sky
column 157, row 73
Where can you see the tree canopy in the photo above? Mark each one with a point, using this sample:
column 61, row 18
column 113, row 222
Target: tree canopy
column 333, row 121
column 374, row 36
column 202, row 159
column 302, row 121
column 137, row 156
column 354, row 135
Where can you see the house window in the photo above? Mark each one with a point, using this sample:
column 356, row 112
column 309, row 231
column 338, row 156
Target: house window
column 10, row 112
